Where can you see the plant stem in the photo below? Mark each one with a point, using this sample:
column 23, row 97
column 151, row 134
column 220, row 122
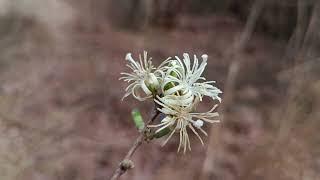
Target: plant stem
column 123, row 165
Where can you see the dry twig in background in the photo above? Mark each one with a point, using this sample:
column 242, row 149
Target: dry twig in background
column 237, row 47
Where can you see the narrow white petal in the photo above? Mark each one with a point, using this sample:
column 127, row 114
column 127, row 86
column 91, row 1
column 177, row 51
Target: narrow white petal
column 165, row 142
column 196, row 133
column 173, row 89
column 145, row 88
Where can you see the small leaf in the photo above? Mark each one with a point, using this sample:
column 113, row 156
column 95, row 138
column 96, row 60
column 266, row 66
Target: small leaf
column 137, row 119
column 162, row 133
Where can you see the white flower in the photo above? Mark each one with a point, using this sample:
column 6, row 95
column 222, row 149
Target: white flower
column 179, row 118
column 176, row 86
column 180, row 82
column 142, row 78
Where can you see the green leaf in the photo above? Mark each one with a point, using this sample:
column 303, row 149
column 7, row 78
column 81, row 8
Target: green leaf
column 162, row 133
column 137, row 119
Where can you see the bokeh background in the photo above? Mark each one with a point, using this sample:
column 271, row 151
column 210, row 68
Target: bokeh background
column 61, row 114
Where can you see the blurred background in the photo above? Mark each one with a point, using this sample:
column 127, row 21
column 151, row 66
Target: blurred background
column 61, row 114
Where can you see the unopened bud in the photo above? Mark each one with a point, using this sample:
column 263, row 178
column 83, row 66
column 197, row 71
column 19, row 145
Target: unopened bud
column 151, row 83
column 126, row 164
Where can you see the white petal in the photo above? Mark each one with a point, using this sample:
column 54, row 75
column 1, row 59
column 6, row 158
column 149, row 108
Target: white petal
column 145, row 88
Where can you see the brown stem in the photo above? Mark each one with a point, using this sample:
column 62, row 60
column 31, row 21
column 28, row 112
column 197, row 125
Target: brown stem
column 126, row 164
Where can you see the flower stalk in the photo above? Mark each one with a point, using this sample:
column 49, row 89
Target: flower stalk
column 123, row 165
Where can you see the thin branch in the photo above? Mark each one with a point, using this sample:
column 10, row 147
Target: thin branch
column 234, row 67
column 126, row 163
column 289, row 112
column 296, row 40
column 249, row 27
column 311, row 29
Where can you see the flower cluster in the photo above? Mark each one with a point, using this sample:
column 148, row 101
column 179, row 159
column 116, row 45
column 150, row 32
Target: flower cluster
column 177, row 86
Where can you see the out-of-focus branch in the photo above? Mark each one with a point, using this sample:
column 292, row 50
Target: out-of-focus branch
column 126, row 163
column 298, row 54
column 234, row 67
column 296, row 40
column 249, row 27
column 237, row 47
column 312, row 27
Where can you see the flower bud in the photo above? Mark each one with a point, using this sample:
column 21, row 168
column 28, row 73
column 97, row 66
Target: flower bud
column 152, row 84
column 126, row 164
